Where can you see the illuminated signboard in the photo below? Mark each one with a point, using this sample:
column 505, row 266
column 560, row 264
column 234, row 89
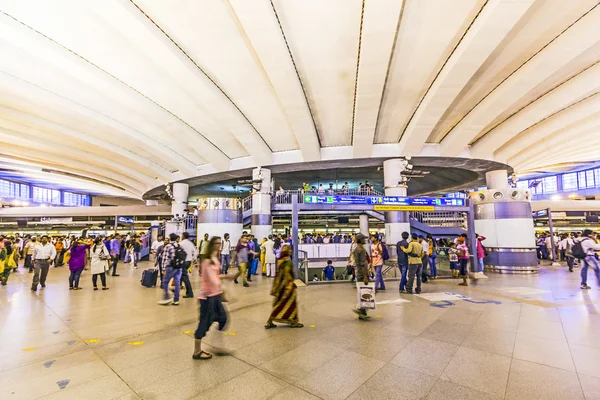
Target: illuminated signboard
column 384, row 200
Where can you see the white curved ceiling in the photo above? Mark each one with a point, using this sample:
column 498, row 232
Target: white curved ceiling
column 121, row 96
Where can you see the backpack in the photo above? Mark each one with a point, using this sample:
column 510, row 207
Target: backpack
column 577, row 250
column 384, row 252
column 179, row 259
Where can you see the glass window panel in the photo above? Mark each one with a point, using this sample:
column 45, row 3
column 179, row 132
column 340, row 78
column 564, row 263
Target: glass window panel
column 589, row 176
column 550, row 184
column 581, row 178
column 569, row 181
column 523, row 184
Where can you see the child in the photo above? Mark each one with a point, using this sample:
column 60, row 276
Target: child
column 316, row 278
column 328, row 273
column 453, row 256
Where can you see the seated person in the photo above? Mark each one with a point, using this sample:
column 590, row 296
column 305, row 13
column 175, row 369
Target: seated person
column 328, row 273
column 316, row 278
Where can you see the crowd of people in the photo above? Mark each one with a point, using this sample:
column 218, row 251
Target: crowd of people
column 575, row 248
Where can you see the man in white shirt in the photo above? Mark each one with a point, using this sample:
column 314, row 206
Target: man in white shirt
column 225, row 253
column 423, row 242
column 590, row 247
column 43, row 255
column 191, row 254
column 267, row 247
column 566, row 248
column 155, row 245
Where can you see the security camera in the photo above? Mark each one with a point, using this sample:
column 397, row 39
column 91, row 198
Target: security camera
column 409, row 166
column 408, row 158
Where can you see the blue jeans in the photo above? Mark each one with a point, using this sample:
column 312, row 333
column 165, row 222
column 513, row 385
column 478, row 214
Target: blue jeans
column 170, row 274
column 74, row 278
column 481, row 266
column 589, row 261
column 433, row 265
column 379, row 278
column 225, row 263
column 403, row 272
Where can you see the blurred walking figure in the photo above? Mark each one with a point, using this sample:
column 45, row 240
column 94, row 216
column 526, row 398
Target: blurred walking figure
column 285, row 307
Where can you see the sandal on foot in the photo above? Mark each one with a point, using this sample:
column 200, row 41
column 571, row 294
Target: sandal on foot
column 270, row 326
column 202, row 356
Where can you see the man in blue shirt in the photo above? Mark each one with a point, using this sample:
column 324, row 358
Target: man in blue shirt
column 402, row 260
column 328, row 273
column 115, row 250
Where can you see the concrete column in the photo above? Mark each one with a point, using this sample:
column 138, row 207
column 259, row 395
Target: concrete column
column 180, row 198
column 150, row 203
column 218, row 216
column 396, row 222
column 363, row 224
column 262, row 224
column 503, row 216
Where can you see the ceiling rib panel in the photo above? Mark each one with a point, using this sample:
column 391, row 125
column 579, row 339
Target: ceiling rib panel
column 379, row 25
column 428, row 32
column 579, row 38
column 323, row 38
column 490, row 27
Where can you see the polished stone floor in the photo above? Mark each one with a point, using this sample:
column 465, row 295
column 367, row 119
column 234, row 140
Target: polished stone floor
column 514, row 337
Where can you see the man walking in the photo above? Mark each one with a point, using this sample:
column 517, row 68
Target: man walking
column 267, row 247
column 589, row 246
column 415, row 263
column 28, row 250
column 425, row 260
column 191, row 255
column 225, row 254
column 172, row 271
column 115, row 253
column 362, row 269
column 402, row 260
column 43, row 256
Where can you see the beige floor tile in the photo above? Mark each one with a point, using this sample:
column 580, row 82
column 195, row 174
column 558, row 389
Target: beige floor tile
column 204, row 375
column 541, row 329
column 491, row 340
column 296, row 364
column 458, row 315
column 587, row 360
column 450, row 391
column 590, row 386
column 393, row 382
column 107, row 387
column 449, row 332
column 267, row 349
column 478, row 370
column 535, row 312
column 529, row 381
column 427, row 356
column 384, row 346
column 542, row 351
column 254, row 384
column 499, row 321
column 293, row 393
column 340, row 377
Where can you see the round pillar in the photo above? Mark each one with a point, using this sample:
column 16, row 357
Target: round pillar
column 363, row 224
column 503, row 217
column 218, row 216
column 180, row 198
column 262, row 224
column 396, row 222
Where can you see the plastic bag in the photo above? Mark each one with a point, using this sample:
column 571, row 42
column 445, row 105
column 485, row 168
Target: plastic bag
column 365, row 295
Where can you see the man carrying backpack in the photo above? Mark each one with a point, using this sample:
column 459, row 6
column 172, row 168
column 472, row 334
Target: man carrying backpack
column 584, row 249
column 173, row 260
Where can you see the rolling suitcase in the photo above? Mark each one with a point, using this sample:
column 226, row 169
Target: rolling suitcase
column 149, row 277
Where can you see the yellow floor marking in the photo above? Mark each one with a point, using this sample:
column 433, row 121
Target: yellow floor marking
column 28, row 348
column 136, row 343
column 313, row 326
column 231, row 334
column 379, row 316
column 188, row 332
column 92, row 340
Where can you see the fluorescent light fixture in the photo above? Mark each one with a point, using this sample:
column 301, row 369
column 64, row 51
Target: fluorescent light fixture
column 556, row 197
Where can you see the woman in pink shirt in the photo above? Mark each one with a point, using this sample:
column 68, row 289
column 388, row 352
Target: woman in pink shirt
column 211, row 305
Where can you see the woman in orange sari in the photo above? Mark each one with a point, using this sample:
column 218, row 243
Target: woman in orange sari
column 285, row 307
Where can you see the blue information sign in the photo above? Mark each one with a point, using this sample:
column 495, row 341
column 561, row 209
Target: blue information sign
column 383, row 200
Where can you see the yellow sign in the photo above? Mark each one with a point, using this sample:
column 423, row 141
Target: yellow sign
column 403, row 208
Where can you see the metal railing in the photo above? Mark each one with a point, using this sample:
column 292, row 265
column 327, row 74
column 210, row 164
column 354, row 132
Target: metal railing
column 247, row 203
column 449, row 219
column 303, row 266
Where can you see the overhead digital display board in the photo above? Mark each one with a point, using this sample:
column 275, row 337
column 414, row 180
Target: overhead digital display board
column 384, row 200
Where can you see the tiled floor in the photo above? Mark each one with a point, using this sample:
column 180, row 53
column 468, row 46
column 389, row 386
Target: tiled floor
column 119, row 344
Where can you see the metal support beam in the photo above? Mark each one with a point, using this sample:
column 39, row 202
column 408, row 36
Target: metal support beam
column 295, row 233
column 471, row 236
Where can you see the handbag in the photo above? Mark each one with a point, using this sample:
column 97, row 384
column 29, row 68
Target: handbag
column 365, row 295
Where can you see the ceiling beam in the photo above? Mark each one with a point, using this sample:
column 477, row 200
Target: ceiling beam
column 572, row 43
column 490, row 27
column 244, row 131
column 379, row 27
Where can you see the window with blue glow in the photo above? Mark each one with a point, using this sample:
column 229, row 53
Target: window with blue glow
column 569, row 181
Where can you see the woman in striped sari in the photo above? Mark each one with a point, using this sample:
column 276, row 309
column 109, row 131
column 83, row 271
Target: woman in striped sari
column 285, row 308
